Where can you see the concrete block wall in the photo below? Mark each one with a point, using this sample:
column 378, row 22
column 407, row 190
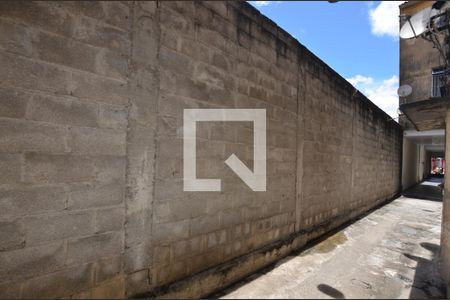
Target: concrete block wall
column 204, row 66
column 63, row 151
column 91, row 151
column 351, row 151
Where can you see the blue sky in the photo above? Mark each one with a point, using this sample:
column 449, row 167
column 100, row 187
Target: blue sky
column 357, row 39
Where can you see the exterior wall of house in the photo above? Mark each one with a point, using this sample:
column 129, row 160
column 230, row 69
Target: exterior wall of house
column 91, row 151
column 417, row 58
column 409, row 165
column 445, row 233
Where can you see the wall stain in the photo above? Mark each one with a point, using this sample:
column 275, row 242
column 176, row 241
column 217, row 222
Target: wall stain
column 327, row 245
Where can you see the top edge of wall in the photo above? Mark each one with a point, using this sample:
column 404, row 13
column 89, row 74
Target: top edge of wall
column 258, row 17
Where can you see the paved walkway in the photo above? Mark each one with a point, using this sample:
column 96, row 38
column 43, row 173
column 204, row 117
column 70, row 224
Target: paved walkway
column 391, row 253
column 428, row 189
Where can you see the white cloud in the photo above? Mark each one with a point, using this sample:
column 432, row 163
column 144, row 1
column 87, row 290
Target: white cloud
column 384, row 18
column 360, row 79
column 370, row 4
column 263, row 3
column 381, row 92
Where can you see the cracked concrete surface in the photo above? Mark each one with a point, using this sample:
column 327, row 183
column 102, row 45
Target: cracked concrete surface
column 390, row 253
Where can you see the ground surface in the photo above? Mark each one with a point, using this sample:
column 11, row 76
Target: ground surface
column 391, row 253
column 428, row 189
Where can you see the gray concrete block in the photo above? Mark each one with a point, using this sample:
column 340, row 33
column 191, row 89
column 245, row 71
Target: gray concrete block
column 177, row 210
column 59, row 50
column 204, row 224
column 165, row 232
column 137, row 282
column 222, row 132
column 47, row 168
column 95, row 195
column 12, row 235
column 61, row 283
column 111, row 289
column 15, row 38
column 38, row 15
column 118, row 14
column 222, row 97
column 137, row 257
column 230, row 218
column 169, row 127
column 148, row 7
column 181, row 8
column 178, row 22
column 169, row 169
column 221, row 61
column 95, row 141
column 110, row 168
column 137, row 225
column 143, row 106
column 108, row 268
column 111, row 64
column 43, row 228
column 32, row 261
column 13, row 103
column 220, row 8
column 162, row 255
column 146, row 38
column 168, row 189
column 92, row 32
column 195, row 50
column 175, row 62
column 187, row 248
column 19, row 135
column 113, row 116
column 25, row 73
column 16, row 202
column 187, row 86
column 93, row 248
column 169, row 38
column 10, row 289
column 62, row 110
column 99, row 89
column 11, row 166
column 171, row 148
column 212, row 76
column 110, row 219
column 169, row 273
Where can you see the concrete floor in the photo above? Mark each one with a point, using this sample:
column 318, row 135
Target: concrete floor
column 391, row 253
column 428, row 189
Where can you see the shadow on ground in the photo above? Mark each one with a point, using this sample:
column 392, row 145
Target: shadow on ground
column 330, row 291
column 426, row 283
column 429, row 189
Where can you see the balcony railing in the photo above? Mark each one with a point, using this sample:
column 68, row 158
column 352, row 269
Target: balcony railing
column 440, row 86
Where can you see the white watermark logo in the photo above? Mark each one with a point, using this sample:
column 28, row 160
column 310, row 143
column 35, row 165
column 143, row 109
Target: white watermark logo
column 256, row 180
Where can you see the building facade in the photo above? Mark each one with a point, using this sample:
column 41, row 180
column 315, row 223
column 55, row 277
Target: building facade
column 425, row 113
column 419, row 63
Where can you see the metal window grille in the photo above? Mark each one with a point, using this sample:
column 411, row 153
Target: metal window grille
column 440, row 86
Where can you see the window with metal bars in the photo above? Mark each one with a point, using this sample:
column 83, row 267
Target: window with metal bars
column 440, row 86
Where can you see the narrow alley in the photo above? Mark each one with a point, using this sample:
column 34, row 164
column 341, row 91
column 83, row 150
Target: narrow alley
column 224, row 149
column 390, row 253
